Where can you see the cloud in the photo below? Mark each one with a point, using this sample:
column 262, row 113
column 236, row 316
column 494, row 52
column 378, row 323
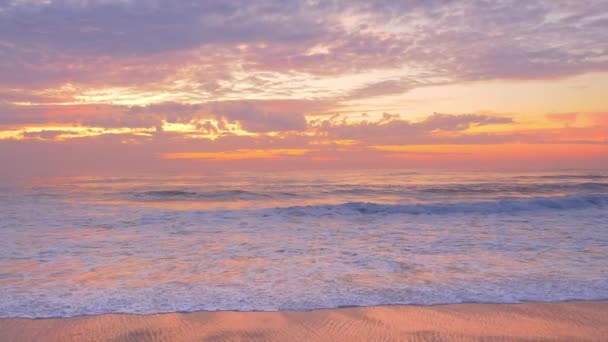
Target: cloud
column 601, row 120
column 447, row 122
column 251, row 116
column 269, row 124
column 144, row 27
column 255, row 119
column 153, row 78
column 203, row 46
column 239, row 154
column 128, row 154
column 404, row 131
column 565, row 118
column 385, row 87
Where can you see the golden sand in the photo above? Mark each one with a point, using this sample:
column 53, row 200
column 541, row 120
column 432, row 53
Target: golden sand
column 586, row 321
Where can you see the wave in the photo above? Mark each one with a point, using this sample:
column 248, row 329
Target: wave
column 167, row 193
column 567, row 176
column 105, row 180
column 369, row 192
column 221, row 195
column 468, row 188
column 510, row 187
column 499, row 206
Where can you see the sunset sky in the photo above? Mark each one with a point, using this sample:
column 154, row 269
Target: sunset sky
column 133, row 87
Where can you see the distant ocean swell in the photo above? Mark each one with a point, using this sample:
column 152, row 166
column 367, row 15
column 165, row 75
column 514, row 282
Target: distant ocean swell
column 500, row 206
column 227, row 195
column 582, row 176
column 480, row 207
column 403, row 191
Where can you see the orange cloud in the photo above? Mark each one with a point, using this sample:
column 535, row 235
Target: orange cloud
column 240, row 154
column 500, row 151
column 564, row 118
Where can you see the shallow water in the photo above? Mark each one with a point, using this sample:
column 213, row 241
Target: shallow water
column 293, row 241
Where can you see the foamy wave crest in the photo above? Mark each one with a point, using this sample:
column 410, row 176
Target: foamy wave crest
column 500, row 206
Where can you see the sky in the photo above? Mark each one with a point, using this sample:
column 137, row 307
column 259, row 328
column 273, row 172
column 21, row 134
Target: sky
column 109, row 87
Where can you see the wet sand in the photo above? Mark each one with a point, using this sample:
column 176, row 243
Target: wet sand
column 585, row 321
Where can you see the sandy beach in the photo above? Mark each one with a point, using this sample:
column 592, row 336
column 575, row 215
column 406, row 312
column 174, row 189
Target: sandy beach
column 585, row 321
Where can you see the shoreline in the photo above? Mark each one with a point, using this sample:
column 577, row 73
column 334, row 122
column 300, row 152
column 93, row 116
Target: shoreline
column 570, row 320
column 600, row 300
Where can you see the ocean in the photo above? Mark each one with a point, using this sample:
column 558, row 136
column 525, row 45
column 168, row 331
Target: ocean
column 300, row 241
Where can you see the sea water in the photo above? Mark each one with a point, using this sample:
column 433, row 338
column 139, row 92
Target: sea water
column 300, row 241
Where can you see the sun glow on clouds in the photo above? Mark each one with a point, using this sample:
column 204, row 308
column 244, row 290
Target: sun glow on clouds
column 208, row 129
column 498, row 151
column 60, row 133
column 193, row 129
column 240, row 84
column 129, row 96
column 353, row 82
column 240, row 154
